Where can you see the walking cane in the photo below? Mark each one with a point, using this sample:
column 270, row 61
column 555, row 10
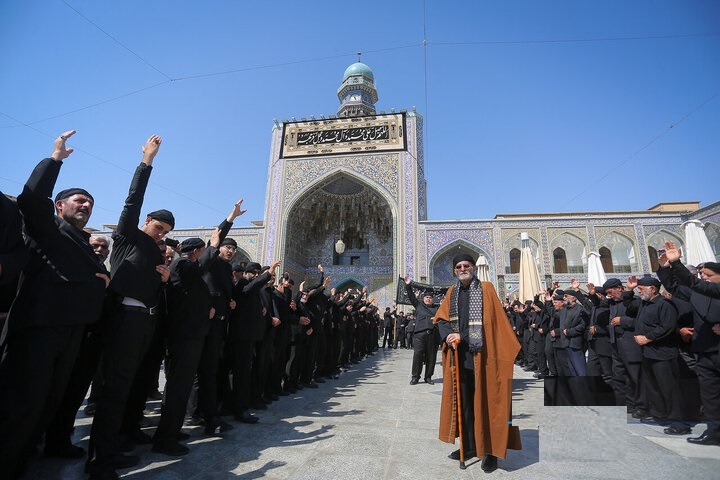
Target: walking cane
column 455, row 364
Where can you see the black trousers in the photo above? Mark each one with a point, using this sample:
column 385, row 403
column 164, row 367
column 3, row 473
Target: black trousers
column 563, row 362
column 59, row 431
column 424, row 351
column 662, row 389
column 208, row 370
column 707, row 368
column 129, row 333
column 540, row 358
column 388, row 337
column 33, row 377
column 183, row 359
column 261, row 366
column 598, row 365
column 241, row 359
column 550, row 355
column 467, row 392
column 626, row 382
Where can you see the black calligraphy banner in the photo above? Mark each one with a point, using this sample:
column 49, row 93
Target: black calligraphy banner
column 358, row 134
column 401, row 296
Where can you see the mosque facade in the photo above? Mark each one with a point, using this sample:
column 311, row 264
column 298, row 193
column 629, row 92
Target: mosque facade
column 348, row 191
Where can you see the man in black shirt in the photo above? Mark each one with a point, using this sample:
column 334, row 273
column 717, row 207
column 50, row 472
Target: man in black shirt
column 423, row 340
column 60, row 292
column 137, row 272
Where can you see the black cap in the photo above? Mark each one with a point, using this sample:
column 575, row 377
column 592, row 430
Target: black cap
column 574, row 293
column 163, row 216
column 714, row 266
column 559, row 292
column 237, row 268
column 252, row 266
column 600, row 290
column 229, row 241
column 612, row 283
column 62, row 195
column 463, row 256
column 191, row 244
column 558, row 297
column 649, row 282
column 428, row 293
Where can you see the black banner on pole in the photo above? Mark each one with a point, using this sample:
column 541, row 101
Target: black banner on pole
column 401, row 297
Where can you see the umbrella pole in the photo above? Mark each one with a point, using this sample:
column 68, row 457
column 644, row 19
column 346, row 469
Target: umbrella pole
column 456, row 376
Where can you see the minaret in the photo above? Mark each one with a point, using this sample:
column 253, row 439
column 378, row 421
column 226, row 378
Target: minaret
column 357, row 94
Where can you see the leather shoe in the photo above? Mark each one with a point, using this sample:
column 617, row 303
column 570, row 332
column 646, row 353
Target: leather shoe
column 65, row 451
column 456, row 454
column 170, row 447
column 489, row 463
column 245, row 417
column 677, row 430
column 414, row 381
column 138, row 437
column 429, row 381
column 125, row 461
column 704, row 439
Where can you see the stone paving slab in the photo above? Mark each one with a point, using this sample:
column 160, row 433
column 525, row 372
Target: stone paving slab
column 371, row 424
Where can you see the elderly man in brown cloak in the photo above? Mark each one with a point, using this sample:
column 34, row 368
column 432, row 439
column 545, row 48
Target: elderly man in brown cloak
column 472, row 318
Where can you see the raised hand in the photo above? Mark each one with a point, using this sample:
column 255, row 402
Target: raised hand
column 407, row 279
column 320, row 267
column 60, row 151
column 150, row 149
column 236, row 211
column 672, row 252
column 631, row 283
column 215, row 238
column 575, row 283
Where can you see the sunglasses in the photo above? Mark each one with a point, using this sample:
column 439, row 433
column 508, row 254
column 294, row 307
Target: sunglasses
column 463, row 266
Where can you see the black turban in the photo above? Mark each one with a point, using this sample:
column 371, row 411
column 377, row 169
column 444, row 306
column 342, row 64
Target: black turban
column 252, row 266
column 163, row 216
column 191, row 244
column 650, row 282
column 73, row 191
column 714, row 266
column 229, row 241
column 463, row 256
column 612, row 283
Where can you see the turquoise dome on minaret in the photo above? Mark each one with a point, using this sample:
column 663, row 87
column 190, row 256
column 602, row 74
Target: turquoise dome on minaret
column 357, row 93
column 358, row 68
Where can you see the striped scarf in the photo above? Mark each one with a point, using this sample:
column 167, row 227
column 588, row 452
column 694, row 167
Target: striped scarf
column 475, row 317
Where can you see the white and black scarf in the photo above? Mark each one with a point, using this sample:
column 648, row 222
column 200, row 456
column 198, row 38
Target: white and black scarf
column 475, row 313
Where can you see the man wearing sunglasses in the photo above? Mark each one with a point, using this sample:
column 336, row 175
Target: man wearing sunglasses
column 471, row 319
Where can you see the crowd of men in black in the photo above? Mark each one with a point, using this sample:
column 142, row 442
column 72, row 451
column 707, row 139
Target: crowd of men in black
column 240, row 336
column 655, row 347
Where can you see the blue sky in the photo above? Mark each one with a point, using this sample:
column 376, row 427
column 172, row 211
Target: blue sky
column 532, row 106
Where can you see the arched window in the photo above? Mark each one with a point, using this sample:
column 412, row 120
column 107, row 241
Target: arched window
column 560, row 264
column 574, row 253
column 653, row 255
column 606, row 260
column 512, row 248
column 514, row 261
column 656, row 241
column 622, row 253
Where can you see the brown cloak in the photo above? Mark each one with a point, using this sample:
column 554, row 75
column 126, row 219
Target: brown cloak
column 494, row 433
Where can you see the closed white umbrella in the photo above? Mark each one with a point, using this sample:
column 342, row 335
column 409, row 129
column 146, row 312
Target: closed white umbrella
column 596, row 273
column 483, row 269
column 529, row 276
column 697, row 245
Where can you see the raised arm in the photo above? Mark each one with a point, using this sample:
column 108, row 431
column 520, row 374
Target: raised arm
column 130, row 216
